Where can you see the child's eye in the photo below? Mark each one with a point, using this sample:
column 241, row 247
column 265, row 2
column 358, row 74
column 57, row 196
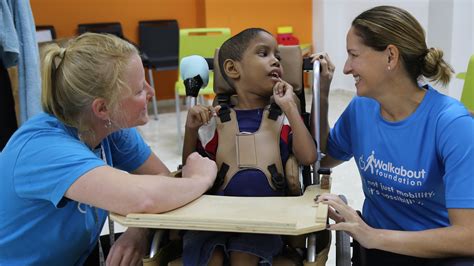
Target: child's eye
column 278, row 57
column 262, row 53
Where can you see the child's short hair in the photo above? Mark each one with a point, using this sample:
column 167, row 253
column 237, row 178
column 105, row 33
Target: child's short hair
column 234, row 48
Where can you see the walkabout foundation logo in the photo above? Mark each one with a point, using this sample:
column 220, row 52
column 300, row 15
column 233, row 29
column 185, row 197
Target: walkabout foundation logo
column 388, row 170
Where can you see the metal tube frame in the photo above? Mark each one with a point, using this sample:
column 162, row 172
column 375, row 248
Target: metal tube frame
column 311, row 240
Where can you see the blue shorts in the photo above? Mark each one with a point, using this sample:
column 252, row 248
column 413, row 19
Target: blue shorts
column 198, row 246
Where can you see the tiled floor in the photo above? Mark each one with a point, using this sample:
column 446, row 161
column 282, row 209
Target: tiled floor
column 162, row 136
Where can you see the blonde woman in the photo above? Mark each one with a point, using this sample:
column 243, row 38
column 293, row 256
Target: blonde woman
column 413, row 147
column 65, row 169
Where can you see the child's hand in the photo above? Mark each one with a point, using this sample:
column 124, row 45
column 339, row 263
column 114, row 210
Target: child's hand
column 283, row 95
column 199, row 115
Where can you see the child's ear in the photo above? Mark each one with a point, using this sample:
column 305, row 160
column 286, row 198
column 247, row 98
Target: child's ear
column 231, row 69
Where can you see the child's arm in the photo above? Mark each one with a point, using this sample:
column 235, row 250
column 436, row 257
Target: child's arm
column 303, row 144
column 198, row 115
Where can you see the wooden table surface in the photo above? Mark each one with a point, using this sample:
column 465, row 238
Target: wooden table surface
column 268, row 215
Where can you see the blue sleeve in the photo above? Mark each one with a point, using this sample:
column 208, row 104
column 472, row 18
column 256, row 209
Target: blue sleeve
column 129, row 150
column 455, row 137
column 49, row 163
column 339, row 143
column 9, row 43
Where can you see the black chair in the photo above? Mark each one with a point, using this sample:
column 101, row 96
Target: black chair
column 45, row 33
column 114, row 28
column 159, row 41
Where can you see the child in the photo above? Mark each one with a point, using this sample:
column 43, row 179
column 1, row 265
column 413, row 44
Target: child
column 250, row 63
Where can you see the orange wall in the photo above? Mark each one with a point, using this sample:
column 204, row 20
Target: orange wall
column 64, row 15
column 241, row 14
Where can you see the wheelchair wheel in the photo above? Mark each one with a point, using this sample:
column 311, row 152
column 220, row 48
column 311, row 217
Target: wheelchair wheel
column 343, row 245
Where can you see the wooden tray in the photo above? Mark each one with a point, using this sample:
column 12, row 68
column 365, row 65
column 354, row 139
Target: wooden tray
column 266, row 215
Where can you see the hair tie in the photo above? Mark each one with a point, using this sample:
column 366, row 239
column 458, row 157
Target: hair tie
column 423, row 55
column 58, row 59
column 62, row 52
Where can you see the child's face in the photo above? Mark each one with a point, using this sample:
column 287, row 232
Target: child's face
column 260, row 66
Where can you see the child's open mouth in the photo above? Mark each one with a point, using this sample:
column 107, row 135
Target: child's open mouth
column 275, row 75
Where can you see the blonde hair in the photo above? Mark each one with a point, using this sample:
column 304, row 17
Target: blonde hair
column 90, row 66
column 383, row 25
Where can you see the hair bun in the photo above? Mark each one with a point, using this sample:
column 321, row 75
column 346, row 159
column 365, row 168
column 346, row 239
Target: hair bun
column 434, row 67
column 434, row 54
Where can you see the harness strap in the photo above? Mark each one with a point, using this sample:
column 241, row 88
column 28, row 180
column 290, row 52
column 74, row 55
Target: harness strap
column 274, row 111
column 224, row 113
column 220, row 177
column 278, row 180
column 223, row 99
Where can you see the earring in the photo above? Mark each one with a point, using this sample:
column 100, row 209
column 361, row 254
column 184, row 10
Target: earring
column 389, row 68
column 108, row 123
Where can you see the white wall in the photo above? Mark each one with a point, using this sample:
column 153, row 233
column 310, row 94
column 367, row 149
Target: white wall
column 448, row 26
column 439, row 29
column 462, row 42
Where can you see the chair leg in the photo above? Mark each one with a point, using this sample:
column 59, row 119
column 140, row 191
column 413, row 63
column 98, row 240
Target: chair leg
column 178, row 120
column 152, row 84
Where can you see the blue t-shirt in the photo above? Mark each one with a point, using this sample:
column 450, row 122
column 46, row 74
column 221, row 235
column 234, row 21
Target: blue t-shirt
column 38, row 225
column 412, row 170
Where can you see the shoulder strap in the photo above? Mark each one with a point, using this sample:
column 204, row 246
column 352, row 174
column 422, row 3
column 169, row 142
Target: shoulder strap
column 274, row 111
column 224, row 113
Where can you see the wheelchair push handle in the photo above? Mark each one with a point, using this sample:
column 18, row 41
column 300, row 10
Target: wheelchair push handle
column 316, row 119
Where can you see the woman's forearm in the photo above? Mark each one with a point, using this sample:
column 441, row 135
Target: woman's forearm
column 452, row 241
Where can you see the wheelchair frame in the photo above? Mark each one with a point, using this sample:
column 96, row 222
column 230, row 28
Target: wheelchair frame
column 307, row 179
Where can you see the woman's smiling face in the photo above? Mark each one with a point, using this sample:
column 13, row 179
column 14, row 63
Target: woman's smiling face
column 366, row 65
column 133, row 107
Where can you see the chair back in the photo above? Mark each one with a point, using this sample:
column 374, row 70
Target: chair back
column 159, row 40
column 203, row 42
column 467, row 96
column 45, row 33
column 114, row 28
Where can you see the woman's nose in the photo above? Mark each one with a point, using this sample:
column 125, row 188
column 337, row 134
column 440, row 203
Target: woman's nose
column 151, row 91
column 347, row 68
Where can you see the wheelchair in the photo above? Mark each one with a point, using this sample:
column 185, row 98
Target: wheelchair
column 306, row 249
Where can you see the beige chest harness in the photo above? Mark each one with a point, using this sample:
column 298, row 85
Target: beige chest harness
column 258, row 150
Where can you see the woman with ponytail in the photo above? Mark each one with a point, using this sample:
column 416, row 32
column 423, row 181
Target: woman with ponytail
column 412, row 145
column 65, row 169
